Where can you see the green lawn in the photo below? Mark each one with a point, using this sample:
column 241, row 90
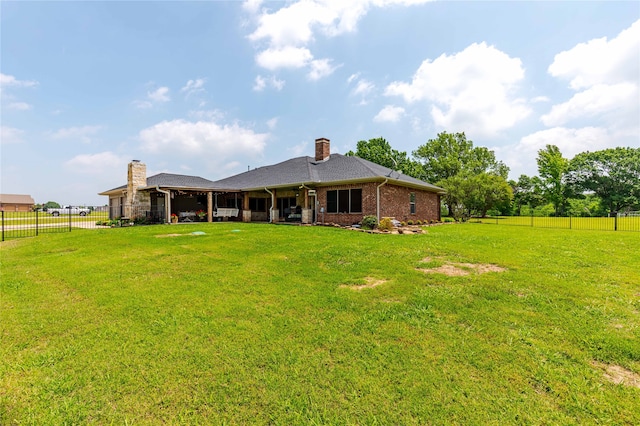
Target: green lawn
column 264, row 324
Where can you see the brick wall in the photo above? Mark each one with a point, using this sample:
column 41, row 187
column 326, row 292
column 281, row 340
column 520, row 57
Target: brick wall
column 394, row 203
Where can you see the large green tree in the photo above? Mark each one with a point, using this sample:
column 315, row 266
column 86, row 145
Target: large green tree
column 469, row 194
column 450, row 154
column 379, row 151
column 612, row 174
column 552, row 169
column 527, row 191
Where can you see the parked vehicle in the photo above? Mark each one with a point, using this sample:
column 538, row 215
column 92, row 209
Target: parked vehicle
column 82, row 211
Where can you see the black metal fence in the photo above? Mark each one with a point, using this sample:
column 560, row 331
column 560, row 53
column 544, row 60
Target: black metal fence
column 30, row 224
column 613, row 223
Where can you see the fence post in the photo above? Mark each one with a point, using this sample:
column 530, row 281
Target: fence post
column 37, row 222
column 69, row 218
column 615, row 221
column 2, row 225
column 532, row 218
column 570, row 221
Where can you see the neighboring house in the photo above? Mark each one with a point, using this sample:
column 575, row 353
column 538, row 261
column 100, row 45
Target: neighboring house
column 327, row 188
column 16, row 203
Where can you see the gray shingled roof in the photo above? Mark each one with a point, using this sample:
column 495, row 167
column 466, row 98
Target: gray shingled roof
column 294, row 172
column 169, row 180
column 338, row 168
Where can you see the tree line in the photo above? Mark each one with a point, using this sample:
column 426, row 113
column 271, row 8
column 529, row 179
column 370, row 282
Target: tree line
column 590, row 184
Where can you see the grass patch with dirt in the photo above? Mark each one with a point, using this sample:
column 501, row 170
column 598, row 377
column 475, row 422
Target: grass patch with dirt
column 260, row 324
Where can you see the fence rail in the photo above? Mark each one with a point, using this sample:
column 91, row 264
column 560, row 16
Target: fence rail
column 31, row 224
column 614, row 223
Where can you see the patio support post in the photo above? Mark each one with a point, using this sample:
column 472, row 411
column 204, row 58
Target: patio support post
column 209, row 206
column 167, row 204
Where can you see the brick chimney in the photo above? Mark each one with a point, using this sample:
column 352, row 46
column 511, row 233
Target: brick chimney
column 323, row 149
column 136, row 177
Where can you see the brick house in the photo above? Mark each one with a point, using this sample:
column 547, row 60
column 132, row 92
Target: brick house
column 327, row 188
column 16, row 203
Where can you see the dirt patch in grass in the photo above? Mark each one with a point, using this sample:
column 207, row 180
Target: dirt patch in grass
column 453, row 269
column 9, row 243
column 619, row 375
column 180, row 235
column 370, row 283
column 447, row 269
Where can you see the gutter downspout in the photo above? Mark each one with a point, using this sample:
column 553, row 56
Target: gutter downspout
column 167, row 205
column 273, row 201
column 378, row 198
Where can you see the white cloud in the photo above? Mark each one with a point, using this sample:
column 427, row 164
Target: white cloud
column 363, row 88
column 159, row 95
column 521, row 156
column 20, row 106
column 473, row 90
column 298, row 150
column 601, row 61
column 272, row 123
column 285, row 57
column 539, row 99
column 96, row 164
column 182, row 138
column 605, row 74
column 84, row 133
column 390, row 114
column 321, row 68
column 284, row 34
column 262, row 82
column 252, row 6
column 593, row 102
column 11, row 81
column 10, row 135
column 193, row 86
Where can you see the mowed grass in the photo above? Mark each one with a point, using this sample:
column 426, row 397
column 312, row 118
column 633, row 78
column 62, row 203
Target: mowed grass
column 264, row 324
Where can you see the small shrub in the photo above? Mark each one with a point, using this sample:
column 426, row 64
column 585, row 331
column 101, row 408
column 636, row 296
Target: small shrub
column 403, row 223
column 410, row 222
column 418, row 222
column 385, row 224
column 448, row 219
column 369, row 222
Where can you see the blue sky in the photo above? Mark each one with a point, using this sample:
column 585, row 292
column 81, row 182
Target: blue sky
column 210, row 88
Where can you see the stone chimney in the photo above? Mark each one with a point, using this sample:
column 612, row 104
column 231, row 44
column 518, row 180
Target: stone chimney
column 323, row 149
column 136, row 177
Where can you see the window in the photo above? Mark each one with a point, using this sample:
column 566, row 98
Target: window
column 356, row 201
column 344, row 201
column 332, row 201
column 258, row 204
column 412, row 202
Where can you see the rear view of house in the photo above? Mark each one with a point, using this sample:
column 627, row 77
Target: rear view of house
column 329, row 188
